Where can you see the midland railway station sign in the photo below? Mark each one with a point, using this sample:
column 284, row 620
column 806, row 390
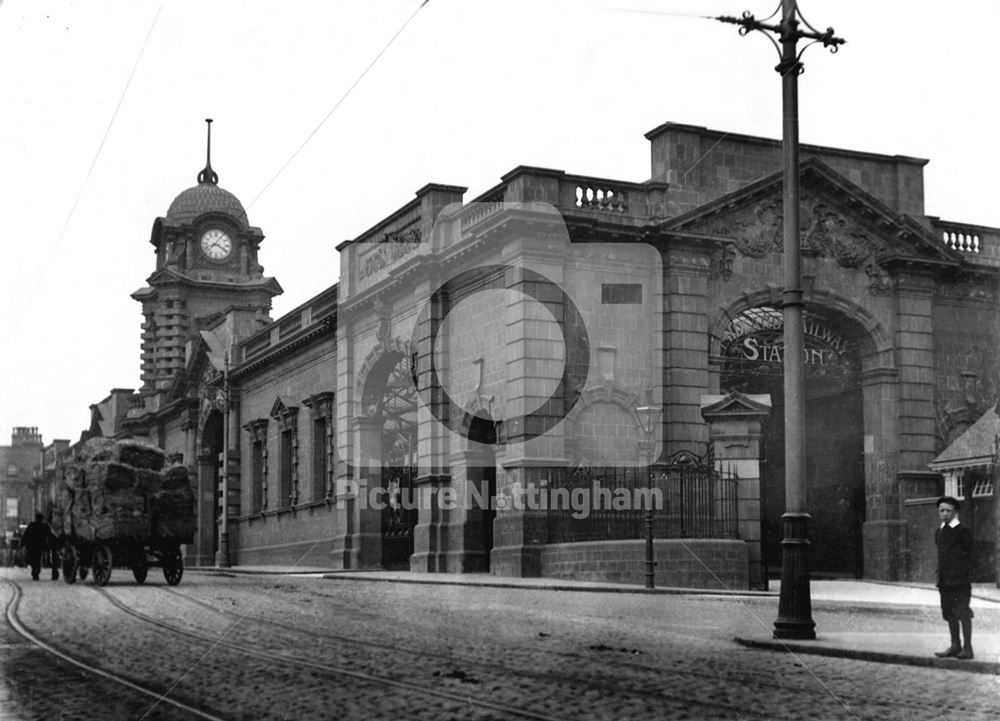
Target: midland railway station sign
column 753, row 343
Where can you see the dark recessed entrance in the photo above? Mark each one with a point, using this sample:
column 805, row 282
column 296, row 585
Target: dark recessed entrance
column 752, row 352
column 392, row 393
column 211, row 446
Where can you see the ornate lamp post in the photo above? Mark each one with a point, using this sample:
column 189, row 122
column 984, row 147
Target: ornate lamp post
column 649, row 417
column 795, row 607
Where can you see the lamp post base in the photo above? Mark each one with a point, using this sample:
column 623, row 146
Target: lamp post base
column 795, row 605
column 222, row 557
column 650, row 563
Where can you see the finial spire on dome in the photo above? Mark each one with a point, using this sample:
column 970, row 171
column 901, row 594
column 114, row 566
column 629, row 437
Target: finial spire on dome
column 208, row 175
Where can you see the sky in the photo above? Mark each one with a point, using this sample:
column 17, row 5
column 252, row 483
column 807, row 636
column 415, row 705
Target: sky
column 330, row 114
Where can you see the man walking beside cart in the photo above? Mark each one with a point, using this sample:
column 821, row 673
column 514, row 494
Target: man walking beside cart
column 38, row 539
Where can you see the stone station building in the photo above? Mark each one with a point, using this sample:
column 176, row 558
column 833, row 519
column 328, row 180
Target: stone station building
column 515, row 347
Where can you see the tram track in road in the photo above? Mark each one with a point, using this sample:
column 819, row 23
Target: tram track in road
column 248, row 663
column 158, row 697
column 808, row 677
column 380, row 681
column 622, row 686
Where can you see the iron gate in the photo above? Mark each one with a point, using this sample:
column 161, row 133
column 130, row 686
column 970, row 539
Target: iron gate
column 689, row 496
column 399, row 516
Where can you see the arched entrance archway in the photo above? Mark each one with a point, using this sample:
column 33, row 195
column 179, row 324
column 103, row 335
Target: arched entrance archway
column 751, row 353
column 389, row 396
column 481, row 471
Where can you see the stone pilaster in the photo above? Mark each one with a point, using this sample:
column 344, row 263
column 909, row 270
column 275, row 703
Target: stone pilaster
column 915, row 361
column 438, row 505
column 469, row 529
column 685, row 354
column 883, row 534
column 521, row 526
column 357, row 542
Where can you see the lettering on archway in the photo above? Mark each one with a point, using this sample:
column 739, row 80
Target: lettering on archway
column 753, row 345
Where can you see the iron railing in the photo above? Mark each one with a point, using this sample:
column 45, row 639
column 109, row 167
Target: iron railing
column 690, row 498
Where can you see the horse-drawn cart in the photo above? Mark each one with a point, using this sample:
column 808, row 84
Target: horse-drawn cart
column 118, row 507
column 78, row 557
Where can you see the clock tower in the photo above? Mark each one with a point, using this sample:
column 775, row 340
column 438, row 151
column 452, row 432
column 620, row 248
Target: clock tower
column 206, row 265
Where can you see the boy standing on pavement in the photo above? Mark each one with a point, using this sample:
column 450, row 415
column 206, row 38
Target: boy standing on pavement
column 954, row 545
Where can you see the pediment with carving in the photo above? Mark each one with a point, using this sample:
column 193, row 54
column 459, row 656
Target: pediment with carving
column 837, row 220
column 825, row 231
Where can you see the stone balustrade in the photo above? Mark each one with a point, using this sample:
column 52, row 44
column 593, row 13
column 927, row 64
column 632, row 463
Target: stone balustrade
column 571, row 194
column 979, row 243
column 601, row 197
column 296, row 321
column 486, row 205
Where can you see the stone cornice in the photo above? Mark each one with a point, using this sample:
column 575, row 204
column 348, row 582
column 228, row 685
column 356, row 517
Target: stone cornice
column 313, row 333
column 168, row 278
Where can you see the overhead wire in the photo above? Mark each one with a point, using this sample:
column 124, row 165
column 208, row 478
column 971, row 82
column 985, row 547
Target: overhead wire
column 337, row 104
column 90, row 171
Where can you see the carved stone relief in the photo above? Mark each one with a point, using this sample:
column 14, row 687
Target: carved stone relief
column 825, row 232
column 756, row 230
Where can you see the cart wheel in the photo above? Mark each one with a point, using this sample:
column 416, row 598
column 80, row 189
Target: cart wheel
column 140, row 573
column 70, row 563
column 173, row 567
column 101, row 565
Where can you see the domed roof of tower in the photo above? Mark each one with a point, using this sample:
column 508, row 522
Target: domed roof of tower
column 206, row 196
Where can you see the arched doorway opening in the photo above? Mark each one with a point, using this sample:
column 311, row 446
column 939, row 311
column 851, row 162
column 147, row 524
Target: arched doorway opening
column 482, row 430
column 211, row 451
column 390, row 394
column 752, row 353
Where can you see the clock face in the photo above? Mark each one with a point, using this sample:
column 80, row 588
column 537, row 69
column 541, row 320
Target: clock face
column 216, row 244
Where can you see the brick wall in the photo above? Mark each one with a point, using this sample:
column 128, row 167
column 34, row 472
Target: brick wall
column 607, row 435
column 303, row 537
column 284, row 536
column 681, row 563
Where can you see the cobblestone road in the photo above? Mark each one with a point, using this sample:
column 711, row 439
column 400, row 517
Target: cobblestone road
column 262, row 647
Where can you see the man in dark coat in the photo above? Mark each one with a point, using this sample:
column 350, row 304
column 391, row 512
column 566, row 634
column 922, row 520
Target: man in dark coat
column 36, row 541
column 954, row 544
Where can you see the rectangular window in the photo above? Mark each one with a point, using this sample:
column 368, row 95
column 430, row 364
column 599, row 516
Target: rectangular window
column 257, row 476
column 951, row 483
column 12, row 507
column 621, row 293
column 319, row 469
column 979, row 481
column 285, row 470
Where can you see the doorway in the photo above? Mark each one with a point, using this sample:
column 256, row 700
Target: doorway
column 834, row 435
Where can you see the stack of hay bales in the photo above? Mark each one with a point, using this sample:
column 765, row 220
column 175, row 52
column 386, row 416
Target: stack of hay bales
column 172, row 506
column 118, row 489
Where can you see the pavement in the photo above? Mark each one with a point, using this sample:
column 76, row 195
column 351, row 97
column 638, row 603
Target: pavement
column 906, row 648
